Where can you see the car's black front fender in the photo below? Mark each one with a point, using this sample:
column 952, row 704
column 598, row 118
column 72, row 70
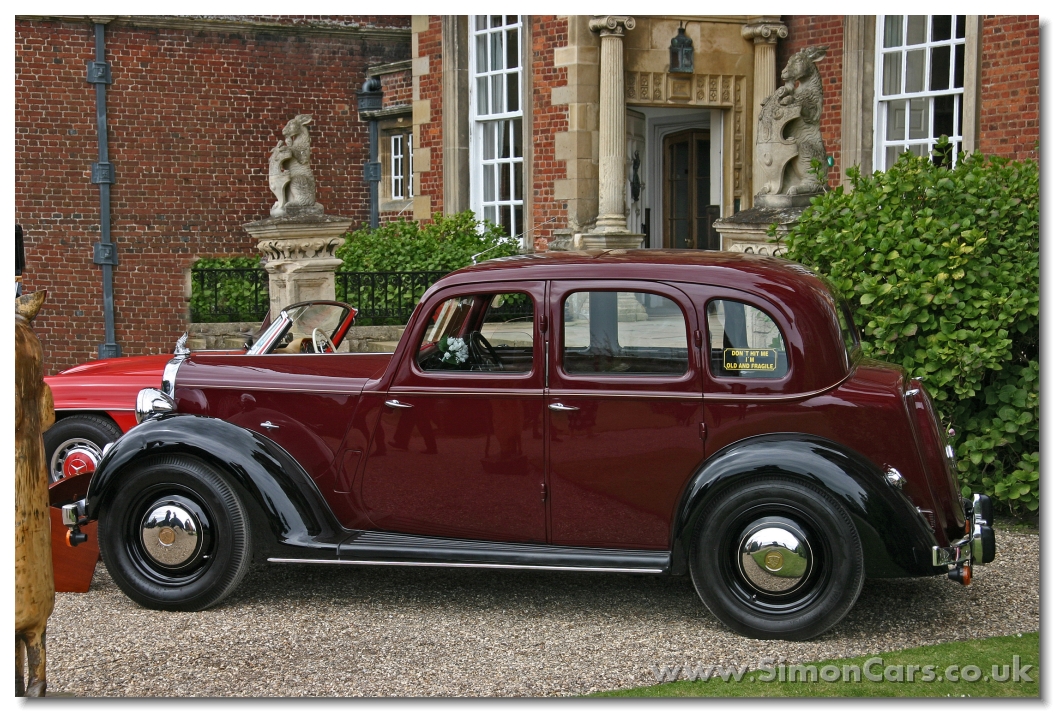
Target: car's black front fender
column 896, row 539
column 285, row 507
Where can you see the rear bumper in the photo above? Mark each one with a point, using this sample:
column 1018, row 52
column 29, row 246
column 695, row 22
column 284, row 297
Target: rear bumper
column 978, row 546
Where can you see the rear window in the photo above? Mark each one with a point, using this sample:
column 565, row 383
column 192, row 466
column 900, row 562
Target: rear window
column 745, row 342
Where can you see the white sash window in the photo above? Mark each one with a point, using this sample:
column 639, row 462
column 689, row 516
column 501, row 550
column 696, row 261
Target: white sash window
column 496, row 125
column 402, row 166
column 919, row 73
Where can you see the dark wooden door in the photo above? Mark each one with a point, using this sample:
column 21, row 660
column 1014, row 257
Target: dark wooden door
column 688, row 216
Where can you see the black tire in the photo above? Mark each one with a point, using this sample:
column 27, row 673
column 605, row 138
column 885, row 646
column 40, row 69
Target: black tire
column 219, row 554
column 798, row 593
column 93, row 432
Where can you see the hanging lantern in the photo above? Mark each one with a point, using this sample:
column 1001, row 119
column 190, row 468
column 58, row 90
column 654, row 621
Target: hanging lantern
column 682, row 53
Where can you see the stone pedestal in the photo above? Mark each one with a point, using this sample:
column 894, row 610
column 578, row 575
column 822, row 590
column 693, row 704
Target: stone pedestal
column 300, row 256
column 747, row 231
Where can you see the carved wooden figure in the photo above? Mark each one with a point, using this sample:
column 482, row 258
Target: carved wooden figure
column 34, row 578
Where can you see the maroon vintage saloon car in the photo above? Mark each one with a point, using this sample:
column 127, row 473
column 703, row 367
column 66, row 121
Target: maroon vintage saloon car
column 664, row 412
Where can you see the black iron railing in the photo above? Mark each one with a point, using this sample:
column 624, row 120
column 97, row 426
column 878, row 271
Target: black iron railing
column 384, row 298
column 226, row 294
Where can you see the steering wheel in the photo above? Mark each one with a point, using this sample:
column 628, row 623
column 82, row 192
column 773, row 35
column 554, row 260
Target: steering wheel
column 322, row 342
column 482, row 351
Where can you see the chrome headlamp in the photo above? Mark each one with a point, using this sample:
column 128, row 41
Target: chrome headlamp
column 151, row 402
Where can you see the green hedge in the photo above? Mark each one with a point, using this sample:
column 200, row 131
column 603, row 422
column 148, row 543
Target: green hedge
column 942, row 270
column 447, row 244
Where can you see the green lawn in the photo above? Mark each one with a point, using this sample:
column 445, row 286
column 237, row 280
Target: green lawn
column 982, row 654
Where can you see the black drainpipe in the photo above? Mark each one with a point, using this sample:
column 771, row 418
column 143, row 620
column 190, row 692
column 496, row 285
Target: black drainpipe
column 105, row 252
column 371, row 99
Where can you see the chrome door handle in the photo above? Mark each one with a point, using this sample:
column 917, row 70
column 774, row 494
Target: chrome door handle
column 397, row 404
column 269, row 425
column 562, row 408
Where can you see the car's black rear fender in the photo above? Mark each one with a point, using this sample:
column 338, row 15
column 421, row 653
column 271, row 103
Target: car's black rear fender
column 287, row 511
column 896, row 539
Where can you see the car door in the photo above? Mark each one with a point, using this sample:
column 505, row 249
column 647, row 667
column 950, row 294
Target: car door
column 624, row 410
column 459, row 449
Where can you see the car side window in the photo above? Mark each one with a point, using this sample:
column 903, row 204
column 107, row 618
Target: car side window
column 480, row 332
column 624, row 333
column 745, row 342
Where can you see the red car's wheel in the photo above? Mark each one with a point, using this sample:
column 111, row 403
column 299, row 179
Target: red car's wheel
column 73, row 445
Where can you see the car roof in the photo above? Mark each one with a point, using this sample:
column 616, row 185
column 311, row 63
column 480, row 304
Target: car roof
column 735, row 270
column 807, row 302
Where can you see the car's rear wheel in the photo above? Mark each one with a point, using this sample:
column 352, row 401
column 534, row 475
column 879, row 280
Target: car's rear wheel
column 777, row 558
column 73, row 445
column 175, row 536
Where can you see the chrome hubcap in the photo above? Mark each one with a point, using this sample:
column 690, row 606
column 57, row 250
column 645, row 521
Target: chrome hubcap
column 171, row 535
column 74, row 457
column 775, row 557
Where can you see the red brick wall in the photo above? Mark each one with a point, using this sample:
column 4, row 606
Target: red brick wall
column 547, row 33
column 814, row 30
column 192, row 117
column 430, row 135
column 1010, row 86
column 397, row 88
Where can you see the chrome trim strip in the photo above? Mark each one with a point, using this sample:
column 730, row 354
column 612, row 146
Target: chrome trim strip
column 469, row 565
column 282, row 389
column 773, row 396
column 168, row 376
column 560, row 393
column 481, row 392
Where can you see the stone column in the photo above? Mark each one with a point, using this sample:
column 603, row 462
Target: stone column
column 610, row 230
column 612, row 217
column 301, row 264
column 765, row 30
column 765, row 33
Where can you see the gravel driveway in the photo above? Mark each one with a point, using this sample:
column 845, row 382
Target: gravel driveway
column 344, row 631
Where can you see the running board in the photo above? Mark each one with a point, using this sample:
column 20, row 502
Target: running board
column 387, row 549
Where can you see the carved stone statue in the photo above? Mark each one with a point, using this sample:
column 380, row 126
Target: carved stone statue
column 788, row 137
column 34, row 576
column 289, row 171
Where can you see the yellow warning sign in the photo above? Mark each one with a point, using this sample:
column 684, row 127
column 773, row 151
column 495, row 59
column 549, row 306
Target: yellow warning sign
column 750, row 359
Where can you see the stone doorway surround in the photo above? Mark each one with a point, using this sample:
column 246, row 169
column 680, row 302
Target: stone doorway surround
column 728, row 53
column 722, row 81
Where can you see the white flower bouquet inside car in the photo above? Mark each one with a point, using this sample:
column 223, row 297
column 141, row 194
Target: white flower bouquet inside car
column 454, row 350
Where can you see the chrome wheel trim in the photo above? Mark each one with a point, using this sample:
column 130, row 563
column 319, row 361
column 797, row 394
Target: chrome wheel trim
column 58, row 458
column 171, row 534
column 774, row 557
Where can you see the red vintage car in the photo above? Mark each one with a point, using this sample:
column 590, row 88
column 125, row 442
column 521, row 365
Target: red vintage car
column 95, row 401
column 663, row 412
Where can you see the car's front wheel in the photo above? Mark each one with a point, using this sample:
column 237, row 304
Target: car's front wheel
column 777, row 558
column 175, row 536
